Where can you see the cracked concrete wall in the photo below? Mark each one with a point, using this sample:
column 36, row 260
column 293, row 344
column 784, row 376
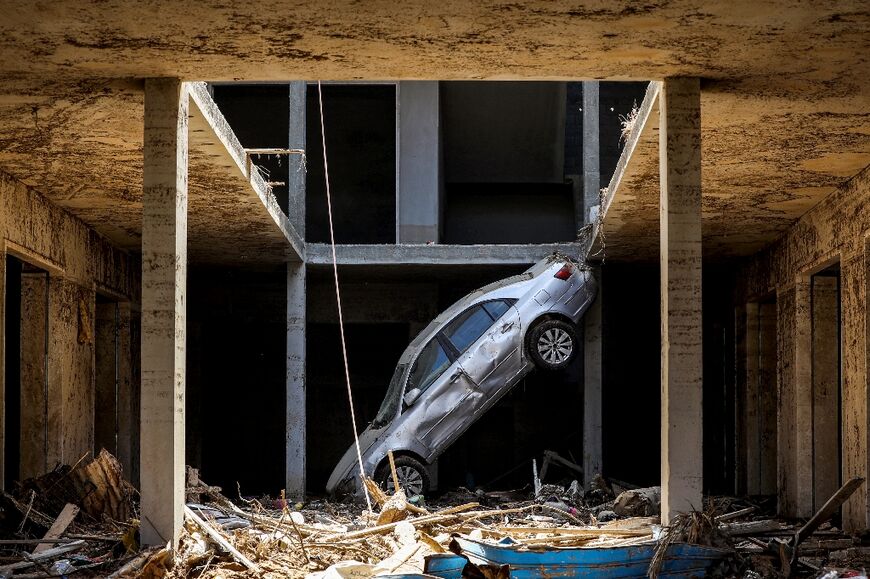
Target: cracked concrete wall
column 834, row 231
column 80, row 263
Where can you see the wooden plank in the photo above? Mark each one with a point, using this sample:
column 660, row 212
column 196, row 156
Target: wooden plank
column 60, row 524
column 215, row 536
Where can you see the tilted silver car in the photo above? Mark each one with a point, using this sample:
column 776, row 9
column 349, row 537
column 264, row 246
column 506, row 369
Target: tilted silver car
column 462, row 363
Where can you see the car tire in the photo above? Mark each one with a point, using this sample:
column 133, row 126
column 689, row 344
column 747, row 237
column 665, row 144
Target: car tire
column 413, row 476
column 552, row 344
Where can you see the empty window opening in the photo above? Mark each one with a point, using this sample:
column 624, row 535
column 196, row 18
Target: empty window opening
column 259, row 115
column 360, row 122
column 27, row 331
column 504, row 163
column 826, row 383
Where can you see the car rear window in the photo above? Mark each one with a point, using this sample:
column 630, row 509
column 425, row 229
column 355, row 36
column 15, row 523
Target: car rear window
column 496, row 308
column 468, row 327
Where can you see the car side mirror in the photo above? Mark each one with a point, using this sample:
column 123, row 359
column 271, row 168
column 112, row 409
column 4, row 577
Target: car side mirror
column 411, row 396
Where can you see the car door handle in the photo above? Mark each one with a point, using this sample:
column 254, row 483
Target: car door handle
column 455, row 376
column 507, row 327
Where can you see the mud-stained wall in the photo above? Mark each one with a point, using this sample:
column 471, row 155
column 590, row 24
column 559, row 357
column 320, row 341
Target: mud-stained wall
column 60, row 393
column 834, row 231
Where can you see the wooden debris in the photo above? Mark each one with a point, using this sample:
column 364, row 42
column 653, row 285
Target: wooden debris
column 60, row 524
column 46, row 555
column 218, row 538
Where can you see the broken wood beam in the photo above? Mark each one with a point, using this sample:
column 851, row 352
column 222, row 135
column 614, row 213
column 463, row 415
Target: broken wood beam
column 60, row 524
column 220, row 540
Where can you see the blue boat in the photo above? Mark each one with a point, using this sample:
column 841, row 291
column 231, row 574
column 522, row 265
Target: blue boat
column 683, row 561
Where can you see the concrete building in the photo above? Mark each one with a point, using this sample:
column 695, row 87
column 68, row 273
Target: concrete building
column 163, row 300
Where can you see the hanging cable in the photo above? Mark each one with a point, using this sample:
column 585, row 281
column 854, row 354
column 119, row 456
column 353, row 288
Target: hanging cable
column 338, row 299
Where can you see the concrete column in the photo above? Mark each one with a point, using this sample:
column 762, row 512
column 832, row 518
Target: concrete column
column 296, row 417
column 592, row 387
column 128, row 426
column 826, row 389
column 767, row 398
column 418, row 194
column 34, row 382
column 803, row 399
column 70, row 392
column 591, row 151
column 741, row 337
column 296, row 163
column 2, row 360
column 681, row 376
column 164, row 309
column 752, row 415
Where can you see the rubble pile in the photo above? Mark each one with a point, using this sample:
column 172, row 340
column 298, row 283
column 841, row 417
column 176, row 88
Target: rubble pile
column 82, row 520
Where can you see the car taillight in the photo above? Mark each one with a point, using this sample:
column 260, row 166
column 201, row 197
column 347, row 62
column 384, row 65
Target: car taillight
column 565, row 272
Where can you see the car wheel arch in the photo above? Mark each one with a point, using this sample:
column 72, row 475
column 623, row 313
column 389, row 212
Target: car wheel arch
column 383, row 468
column 542, row 318
column 385, row 462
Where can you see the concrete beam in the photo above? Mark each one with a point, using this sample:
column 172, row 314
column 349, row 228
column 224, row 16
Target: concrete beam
column 320, row 254
column 418, row 194
column 164, row 319
column 680, row 234
column 640, row 146
column 296, row 415
column 593, row 451
column 265, row 225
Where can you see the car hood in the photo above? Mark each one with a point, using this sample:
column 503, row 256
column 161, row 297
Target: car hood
column 347, row 466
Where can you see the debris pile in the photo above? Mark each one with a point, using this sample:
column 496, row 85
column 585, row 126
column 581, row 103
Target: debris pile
column 82, row 520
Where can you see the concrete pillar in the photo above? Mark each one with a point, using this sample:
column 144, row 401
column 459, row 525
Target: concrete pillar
column 681, row 368
column 855, row 326
column 128, row 426
column 70, row 392
column 34, row 382
column 592, row 387
column 296, row 163
column 418, row 195
column 591, row 151
column 752, row 415
column 164, row 308
column 826, row 389
column 767, row 398
column 803, row 400
column 296, row 416
column 295, row 428
column 3, row 298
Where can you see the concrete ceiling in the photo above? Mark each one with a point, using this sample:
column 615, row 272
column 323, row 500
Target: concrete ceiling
column 786, row 86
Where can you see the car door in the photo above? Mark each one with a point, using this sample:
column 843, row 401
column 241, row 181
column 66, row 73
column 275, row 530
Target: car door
column 494, row 360
column 442, row 392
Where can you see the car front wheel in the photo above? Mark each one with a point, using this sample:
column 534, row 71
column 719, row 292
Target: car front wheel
column 413, row 476
column 552, row 344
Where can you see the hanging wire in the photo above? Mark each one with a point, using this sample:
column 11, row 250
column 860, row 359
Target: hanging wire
column 338, row 300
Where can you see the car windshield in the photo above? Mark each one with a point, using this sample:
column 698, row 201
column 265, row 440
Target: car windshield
column 391, row 402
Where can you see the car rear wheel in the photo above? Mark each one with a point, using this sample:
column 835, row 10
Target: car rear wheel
column 413, row 476
column 552, row 344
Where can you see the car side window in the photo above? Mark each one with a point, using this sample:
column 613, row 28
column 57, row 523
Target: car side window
column 430, row 364
column 467, row 327
column 496, row 308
